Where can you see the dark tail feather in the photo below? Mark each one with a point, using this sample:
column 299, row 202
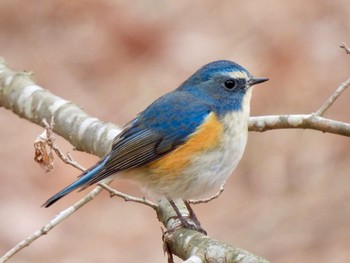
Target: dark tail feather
column 82, row 181
column 60, row 194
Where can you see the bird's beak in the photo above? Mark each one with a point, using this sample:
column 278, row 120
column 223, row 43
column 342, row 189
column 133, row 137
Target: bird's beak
column 254, row 81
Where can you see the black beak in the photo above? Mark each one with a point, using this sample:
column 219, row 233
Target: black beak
column 254, row 81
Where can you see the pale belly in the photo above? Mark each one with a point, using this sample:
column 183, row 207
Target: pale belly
column 210, row 170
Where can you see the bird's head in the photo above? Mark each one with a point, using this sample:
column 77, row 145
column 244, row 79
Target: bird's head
column 223, row 84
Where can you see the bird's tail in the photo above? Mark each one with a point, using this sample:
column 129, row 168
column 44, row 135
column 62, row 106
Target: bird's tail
column 83, row 180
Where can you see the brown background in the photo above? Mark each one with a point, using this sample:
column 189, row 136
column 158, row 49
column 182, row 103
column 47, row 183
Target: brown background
column 289, row 198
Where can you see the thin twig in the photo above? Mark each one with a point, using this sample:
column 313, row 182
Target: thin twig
column 51, row 142
column 52, row 223
column 206, row 200
column 345, row 47
column 298, row 121
column 332, row 98
column 126, row 197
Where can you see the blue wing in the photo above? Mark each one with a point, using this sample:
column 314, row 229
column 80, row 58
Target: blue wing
column 159, row 129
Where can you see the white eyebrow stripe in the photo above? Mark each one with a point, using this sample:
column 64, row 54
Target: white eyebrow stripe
column 239, row 74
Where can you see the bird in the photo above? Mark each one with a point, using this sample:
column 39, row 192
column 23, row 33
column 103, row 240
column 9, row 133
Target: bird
column 187, row 142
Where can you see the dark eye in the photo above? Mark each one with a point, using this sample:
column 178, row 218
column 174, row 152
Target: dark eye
column 230, row 84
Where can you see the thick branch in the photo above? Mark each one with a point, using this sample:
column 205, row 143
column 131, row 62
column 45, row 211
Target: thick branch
column 20, row 94
column 190, row 244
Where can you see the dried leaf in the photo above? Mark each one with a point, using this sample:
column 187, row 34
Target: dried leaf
column 43, row 152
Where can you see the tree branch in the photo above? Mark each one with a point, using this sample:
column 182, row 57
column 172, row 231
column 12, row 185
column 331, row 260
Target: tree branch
column 195, row 246
column 345, row 47
column 63, row 215
column 333, row 98
column 127, row 198
column 302, row 121
column 20, row 94
column 207, row 200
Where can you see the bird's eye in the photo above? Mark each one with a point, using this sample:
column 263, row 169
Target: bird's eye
column 230, row 84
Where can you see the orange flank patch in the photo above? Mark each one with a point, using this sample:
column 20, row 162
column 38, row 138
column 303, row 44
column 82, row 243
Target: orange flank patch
column 206, row 137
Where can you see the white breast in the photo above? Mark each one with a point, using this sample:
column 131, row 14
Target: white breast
column 211, row 169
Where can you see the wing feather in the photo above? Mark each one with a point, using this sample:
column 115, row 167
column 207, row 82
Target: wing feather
column 130, row 152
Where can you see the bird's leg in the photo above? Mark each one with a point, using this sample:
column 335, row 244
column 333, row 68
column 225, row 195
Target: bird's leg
column 193, row 216
column 179, row 215
column 182, row 219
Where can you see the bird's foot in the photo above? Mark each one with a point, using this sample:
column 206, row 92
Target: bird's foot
column 184, row 223
column 194, row 225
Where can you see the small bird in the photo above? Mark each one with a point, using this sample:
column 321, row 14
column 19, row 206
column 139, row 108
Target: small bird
column 187, row 142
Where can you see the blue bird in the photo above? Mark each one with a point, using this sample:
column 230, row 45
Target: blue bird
column 185, row 143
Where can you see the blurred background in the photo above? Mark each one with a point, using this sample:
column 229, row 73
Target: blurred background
column 287, row 201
